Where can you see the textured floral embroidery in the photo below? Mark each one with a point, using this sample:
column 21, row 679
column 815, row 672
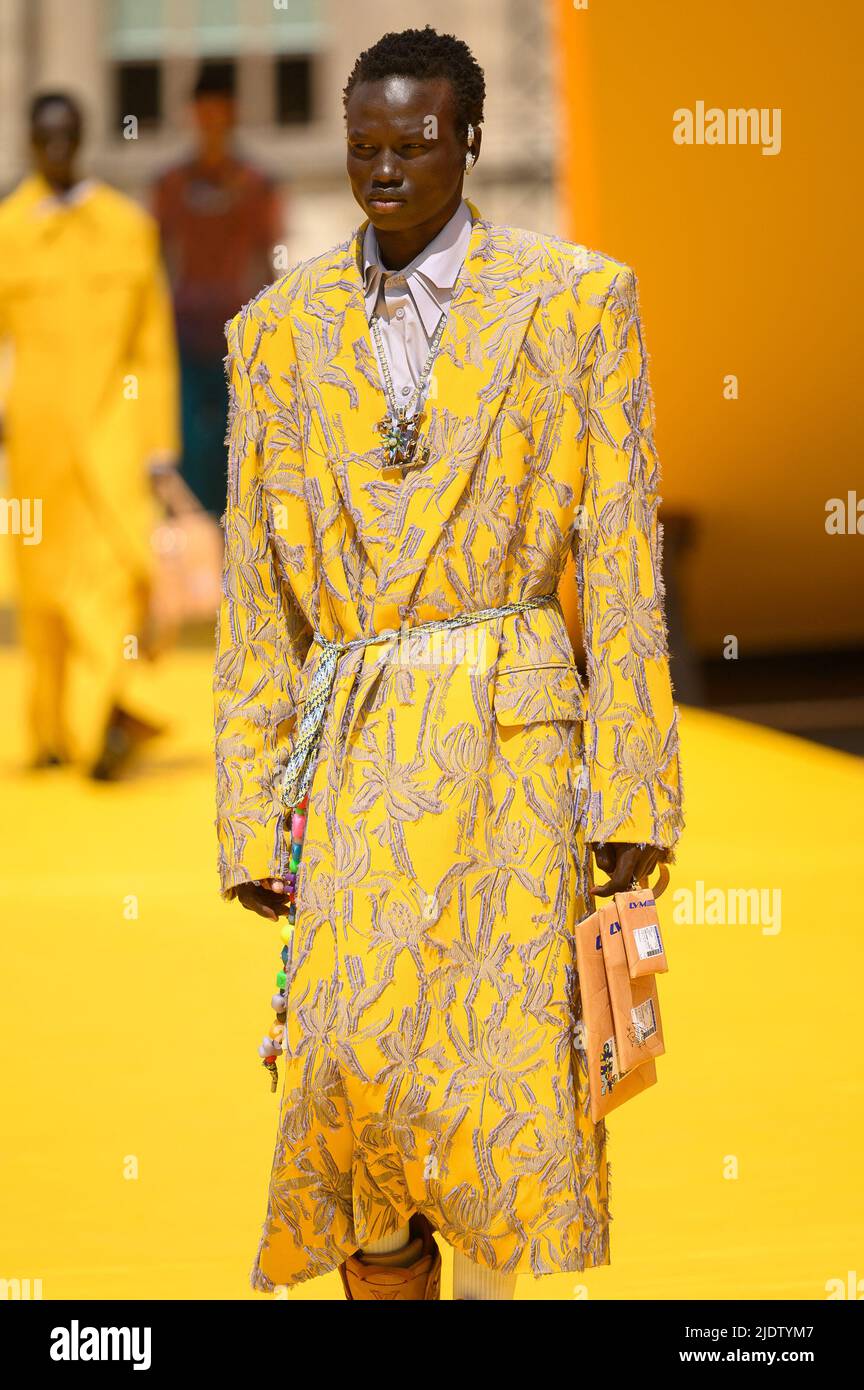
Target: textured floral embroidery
column 433, row 1058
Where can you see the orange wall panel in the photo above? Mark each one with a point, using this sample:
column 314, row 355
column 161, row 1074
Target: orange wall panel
column 749, row 265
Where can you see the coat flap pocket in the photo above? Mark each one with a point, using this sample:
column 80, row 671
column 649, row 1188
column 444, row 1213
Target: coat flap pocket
column 528, row 694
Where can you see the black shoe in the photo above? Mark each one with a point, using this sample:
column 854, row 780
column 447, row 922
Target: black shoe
column 43, row 760
column 115, row 754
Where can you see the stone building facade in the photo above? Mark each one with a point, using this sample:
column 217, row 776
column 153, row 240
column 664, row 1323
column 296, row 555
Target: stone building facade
column 139, row 58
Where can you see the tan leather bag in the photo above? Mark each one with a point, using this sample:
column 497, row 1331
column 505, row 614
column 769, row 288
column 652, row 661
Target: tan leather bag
column 187, row 580
column 635, row 1004
column 608, row 1087
column 640, row 927
column 613, row 1079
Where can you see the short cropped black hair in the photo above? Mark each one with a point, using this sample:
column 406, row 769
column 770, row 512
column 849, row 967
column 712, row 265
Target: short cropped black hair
column 425, row 54
column 215, row 79
column 43, row 99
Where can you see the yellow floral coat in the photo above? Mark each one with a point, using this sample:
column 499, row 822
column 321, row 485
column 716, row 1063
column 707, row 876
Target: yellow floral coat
column 432, row 1054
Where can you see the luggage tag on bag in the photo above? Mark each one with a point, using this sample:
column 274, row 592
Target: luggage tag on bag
column 640, row 928
column 635, row 1003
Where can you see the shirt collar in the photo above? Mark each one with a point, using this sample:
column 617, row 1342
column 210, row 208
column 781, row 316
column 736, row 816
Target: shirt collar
column 51, row 198
column 432, row 273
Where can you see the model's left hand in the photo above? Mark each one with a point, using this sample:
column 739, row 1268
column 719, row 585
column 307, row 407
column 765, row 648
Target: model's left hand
column 625, row 863
column 266, row 896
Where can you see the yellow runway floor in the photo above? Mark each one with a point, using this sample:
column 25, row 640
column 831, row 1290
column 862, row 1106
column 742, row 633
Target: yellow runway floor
column 138, row 1126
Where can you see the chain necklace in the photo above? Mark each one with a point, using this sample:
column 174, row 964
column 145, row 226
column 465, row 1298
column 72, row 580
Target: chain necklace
column 400, row 428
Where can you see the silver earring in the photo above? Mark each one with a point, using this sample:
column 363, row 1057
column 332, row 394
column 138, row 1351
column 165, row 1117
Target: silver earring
column 469, row 157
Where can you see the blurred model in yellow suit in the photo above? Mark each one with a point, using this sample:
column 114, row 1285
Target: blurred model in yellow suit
column 92, row 403
column 433, row 1074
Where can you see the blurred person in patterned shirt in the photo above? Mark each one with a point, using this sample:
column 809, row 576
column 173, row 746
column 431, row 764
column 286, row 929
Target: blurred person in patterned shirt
column 220, row 220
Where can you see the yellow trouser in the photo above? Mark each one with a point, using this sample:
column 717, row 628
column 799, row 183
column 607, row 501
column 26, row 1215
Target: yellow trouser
column 80, row 665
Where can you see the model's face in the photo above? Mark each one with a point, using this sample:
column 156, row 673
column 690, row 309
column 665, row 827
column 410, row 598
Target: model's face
column 55, row 137
column 213, row 115
column 405, row 160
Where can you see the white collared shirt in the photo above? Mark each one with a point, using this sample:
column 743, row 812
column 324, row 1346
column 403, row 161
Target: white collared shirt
column 410, row 302
column 59, row 198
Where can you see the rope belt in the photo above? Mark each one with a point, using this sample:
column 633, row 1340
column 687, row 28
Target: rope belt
column 301, row 765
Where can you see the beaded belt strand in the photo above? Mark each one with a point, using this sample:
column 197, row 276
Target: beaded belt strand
column 300, row 770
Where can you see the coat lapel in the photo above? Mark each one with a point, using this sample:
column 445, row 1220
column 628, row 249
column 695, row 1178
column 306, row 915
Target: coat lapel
column 395, row 521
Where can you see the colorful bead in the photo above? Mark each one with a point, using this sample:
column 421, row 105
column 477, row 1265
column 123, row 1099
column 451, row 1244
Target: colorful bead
column 273, row 1044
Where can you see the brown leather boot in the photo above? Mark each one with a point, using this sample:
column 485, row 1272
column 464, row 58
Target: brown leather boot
column 378, row 1277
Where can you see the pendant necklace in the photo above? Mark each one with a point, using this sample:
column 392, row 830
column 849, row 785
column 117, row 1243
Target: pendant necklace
column 403, row 444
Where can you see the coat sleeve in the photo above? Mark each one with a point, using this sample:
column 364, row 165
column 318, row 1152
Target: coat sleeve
column 155, row 359
column 262, row 638
column 631, row 729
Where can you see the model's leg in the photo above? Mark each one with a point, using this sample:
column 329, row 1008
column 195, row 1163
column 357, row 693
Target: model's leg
column 204, row 405
column 480, row 1285
column 388, row 1245
column 403, row 1265
column 44, row 643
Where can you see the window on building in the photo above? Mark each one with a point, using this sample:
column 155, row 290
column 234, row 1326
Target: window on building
column 155, row 48
column 293, row 90
column 138, row 93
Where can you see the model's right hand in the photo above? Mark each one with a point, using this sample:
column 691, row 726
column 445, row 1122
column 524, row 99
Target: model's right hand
column 173, row 492
column 268, row 898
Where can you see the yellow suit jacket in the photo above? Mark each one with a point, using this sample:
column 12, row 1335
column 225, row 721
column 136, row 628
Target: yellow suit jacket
column 93, row 396
column 541, row 424
column 92, row 401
